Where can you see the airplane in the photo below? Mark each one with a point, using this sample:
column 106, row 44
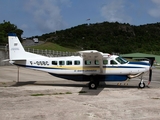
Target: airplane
column 90, row 65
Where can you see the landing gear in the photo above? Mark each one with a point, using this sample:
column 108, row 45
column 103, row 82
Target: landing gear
column 141, row 84
column 93, row 84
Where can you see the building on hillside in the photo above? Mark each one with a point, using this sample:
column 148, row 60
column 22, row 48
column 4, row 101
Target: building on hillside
column 142, row 57
column 35, row 40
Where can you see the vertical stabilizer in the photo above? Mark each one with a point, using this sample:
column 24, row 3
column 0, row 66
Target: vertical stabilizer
column 16, row 50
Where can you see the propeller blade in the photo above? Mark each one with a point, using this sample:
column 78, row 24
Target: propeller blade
column 151, row 61
column 150, row 76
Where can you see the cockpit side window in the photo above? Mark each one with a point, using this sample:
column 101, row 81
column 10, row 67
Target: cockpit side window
column 121, row 60
column 112, row 62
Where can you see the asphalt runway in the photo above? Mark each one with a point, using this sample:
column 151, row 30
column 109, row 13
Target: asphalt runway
column 9, row 77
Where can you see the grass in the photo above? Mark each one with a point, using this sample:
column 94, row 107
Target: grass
column 156, row 98
column 3, row 83
column 53, row 46
column 40, row 94
column 82, row 91
column 68, row 93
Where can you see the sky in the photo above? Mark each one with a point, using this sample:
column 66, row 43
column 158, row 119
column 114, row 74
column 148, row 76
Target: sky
column 37, row 17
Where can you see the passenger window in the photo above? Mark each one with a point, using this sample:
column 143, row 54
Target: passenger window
column 54, row 62
column 61, row 62
column 96, row 62
column 105, row 62
column 113, row 62
column 68, row 62
column 87, row 62
column 76, row 62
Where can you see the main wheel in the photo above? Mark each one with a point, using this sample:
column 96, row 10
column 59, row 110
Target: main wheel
column 142, row 85
column 92, row 85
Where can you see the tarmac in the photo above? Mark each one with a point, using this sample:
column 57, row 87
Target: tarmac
column 36, row 95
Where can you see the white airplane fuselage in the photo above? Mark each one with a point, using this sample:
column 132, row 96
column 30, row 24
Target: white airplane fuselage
column 76, row 66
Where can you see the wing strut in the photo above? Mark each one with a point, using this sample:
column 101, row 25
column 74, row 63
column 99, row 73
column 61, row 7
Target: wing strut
column 101, row 65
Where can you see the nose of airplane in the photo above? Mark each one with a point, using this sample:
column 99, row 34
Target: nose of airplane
column 145, row 64
column 148, row 67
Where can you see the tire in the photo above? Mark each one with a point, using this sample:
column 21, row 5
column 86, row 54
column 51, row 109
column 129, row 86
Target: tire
column 92, row 85
column 141, row 85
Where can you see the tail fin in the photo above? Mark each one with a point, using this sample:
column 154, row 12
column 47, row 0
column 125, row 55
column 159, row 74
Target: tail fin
column 16, row 50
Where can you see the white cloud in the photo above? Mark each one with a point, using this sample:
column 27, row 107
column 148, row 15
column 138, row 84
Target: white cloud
column 47, row 14
column 114, row 11
column 156, row 1
column 155, row 12
column 24, row 26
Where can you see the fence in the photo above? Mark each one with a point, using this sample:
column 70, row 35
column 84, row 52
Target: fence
column 3, row 56
column 51, row 53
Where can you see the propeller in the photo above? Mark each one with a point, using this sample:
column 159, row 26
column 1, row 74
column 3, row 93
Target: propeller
column 150, row 76
column 150, row 71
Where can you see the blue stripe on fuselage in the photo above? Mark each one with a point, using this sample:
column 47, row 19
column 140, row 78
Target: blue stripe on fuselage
column 139, row 63
column 121, row 67
column 95, row 77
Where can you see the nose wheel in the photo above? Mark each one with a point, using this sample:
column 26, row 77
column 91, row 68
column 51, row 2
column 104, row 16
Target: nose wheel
column 141, row 84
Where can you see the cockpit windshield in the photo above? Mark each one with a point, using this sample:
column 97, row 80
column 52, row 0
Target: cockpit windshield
column 121, row 60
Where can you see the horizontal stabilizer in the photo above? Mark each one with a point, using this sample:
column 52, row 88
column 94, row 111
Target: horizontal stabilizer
column 18, row 59
column 6, row 60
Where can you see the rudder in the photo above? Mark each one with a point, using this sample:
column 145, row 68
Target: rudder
column 16, row 50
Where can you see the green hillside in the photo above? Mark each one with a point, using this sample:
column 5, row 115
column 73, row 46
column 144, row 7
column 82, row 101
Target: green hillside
column 53, row 46
column 106, row 37
column 109, row 37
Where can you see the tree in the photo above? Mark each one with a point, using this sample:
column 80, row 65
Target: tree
column 7, row 27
